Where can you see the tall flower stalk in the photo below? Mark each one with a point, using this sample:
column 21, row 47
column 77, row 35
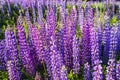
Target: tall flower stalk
column 112, row 54
column 11, row 44
column 95, row 59
column 76, row 56
column 24, row 49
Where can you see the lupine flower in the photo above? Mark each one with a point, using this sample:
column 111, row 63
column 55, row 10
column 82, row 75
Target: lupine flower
column 25, row 50
column 113, row 40
column 111, row 69
column 36, row 40
column 81, row 15
column 106, row 40
column 67, row 46
column 12, row 71
column 63, row 73
column 54, row 58
column 76, row 56
column 40, row 15
column 112, row 54
column 3, row 54
column 85, row 42
column 11, row 45
column 118, row 70
column 87, row 71
column 96, row 62
column 52, row 53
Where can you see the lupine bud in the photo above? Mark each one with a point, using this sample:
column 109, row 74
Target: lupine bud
column 12, row 71
column 11, row 45
column 118, row 70
column 76, row 56
column 87, row 71
column 25, row 51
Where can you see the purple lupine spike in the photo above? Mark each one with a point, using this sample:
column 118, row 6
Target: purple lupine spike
column 28, row 18
column 51, row 22
column 63, row 73
column 76, row 56
column 60, row 50
column 118, row 70
column 81, row 15
column 3, row 54
column 67, row 46
column 25, row 51
column 95, row 59
column 112, row 54
column 33, row 10
column 113, row 40
column 96, row 62
column 11, row 45
column 63, row 13
column 90, row 16
column 12, row 71
column 111, row 69
column 106, row 40
column 73, row 22
column 39, row 7
column 50, row 31
column 87, row 71
column 54, row 58
column 37, row 43
column 85, row 42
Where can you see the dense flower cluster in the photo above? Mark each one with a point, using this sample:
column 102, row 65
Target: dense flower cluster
column 60, row 40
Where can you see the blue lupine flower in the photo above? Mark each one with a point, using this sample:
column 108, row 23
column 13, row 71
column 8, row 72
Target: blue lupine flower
column 95, row 59
column 112, row 54
column 106, row 40
column 76, row 56
column 87, row 71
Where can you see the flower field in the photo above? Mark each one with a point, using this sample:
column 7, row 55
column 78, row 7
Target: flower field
column 59, row 40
